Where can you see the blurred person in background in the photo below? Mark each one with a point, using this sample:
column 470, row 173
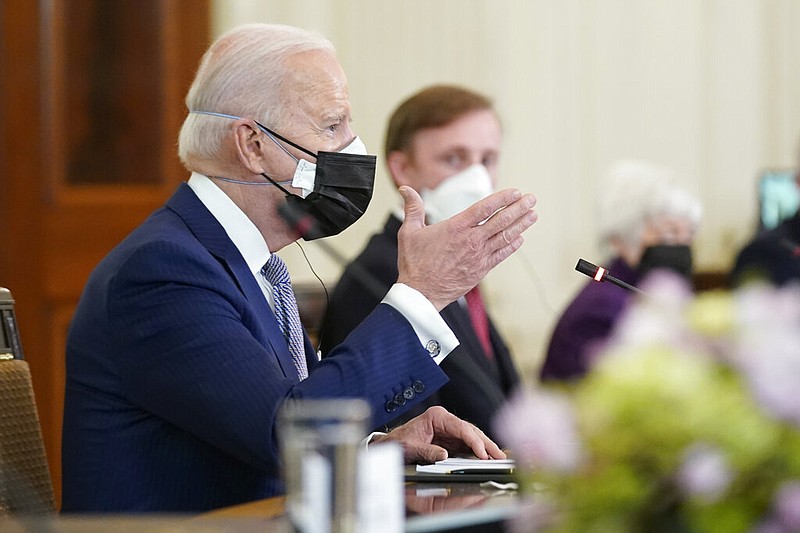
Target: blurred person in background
column 772, row 256
column 444, row 142
column 646, row 223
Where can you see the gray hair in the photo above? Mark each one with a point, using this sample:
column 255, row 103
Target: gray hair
column 636, row 192
column 242, row 73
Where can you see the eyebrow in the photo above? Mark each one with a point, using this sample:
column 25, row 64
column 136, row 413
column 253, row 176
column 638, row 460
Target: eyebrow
column 336, row 117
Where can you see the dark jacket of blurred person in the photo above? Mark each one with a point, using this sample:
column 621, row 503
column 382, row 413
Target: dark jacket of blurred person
column 772, row 256
column 586, row 323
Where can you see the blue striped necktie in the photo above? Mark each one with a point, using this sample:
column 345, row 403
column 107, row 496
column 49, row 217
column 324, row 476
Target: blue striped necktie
column 286, row 311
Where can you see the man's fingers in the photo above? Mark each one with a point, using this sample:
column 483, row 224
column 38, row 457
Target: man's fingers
column 501, row 235
column 483, row 447
column 425, row 453
column 485, row 208
column 507, row 236
column 494, row 451
column 478, row 442
column 504, row 252
column 511, row 216
column 474, row 439
column 504, row 236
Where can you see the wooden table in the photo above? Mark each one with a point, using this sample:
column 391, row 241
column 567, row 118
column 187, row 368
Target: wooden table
column 430, row 506
column 267, row 508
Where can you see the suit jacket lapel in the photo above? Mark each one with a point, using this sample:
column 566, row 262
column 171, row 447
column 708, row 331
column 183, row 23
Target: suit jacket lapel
column 458, row 319
column 213, row 237
column 505, row 366
column 475, row 366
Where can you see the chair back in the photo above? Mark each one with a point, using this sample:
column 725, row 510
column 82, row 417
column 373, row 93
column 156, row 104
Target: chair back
column 10, row 345
column 25, row 483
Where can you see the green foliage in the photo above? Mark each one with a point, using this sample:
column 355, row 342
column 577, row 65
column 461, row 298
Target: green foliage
column 645, row 409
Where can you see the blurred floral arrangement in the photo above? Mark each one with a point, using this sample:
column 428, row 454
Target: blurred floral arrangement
column 688, row 421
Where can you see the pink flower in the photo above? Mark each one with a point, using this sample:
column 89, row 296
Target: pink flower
column 787, row 505
column 704, row 473
column 539, row 427
column 657, row 317
column 768, row 351
column 769, row 526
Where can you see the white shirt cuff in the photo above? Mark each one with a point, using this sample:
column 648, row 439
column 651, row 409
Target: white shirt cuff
column 430, row 327
column 368, row 439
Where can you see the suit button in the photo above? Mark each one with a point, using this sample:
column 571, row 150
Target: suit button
column 400, row 399
column 418, row 386
column 433, row 348
column 391, row 407
column 409, row 393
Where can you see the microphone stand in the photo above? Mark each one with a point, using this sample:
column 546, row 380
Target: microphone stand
column 601, row 274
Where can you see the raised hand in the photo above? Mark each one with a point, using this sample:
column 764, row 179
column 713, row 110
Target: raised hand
column 443, row 261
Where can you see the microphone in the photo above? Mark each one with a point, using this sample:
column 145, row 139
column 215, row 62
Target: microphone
column 601, row 274
column 302, row 223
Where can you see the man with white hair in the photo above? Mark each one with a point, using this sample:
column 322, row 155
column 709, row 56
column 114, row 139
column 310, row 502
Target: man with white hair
column 646, row 223
column 186, row 341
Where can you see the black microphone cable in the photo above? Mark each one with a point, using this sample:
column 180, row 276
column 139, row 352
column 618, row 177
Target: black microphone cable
column 306, row 226
column 324, row 289
column 535, row 280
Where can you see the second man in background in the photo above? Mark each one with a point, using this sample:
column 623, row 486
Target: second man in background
column 444, row 142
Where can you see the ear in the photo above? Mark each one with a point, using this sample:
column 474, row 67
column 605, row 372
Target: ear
column 399, row 164
column 249, row 146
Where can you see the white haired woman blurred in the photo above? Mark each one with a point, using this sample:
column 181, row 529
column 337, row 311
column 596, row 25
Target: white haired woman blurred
column 645, row 223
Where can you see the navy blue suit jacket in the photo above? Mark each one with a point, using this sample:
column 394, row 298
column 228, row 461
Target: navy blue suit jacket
column 176, row 370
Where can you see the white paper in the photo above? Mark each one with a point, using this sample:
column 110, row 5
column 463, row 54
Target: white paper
column 458, row 463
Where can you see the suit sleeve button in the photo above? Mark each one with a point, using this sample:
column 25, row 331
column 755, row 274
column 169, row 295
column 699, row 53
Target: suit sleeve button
column 391, row 407
column 409, row 393
column 418, row 386
column 400, row 399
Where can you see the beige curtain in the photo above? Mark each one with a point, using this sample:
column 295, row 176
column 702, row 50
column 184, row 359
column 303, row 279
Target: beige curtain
column 708, row 87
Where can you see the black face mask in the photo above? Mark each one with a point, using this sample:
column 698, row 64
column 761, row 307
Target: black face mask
column 677, row 258
column 343, row 185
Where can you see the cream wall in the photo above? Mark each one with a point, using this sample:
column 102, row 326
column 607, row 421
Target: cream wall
column 708, row 87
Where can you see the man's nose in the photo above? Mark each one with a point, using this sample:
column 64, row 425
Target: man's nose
column 475, row 159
